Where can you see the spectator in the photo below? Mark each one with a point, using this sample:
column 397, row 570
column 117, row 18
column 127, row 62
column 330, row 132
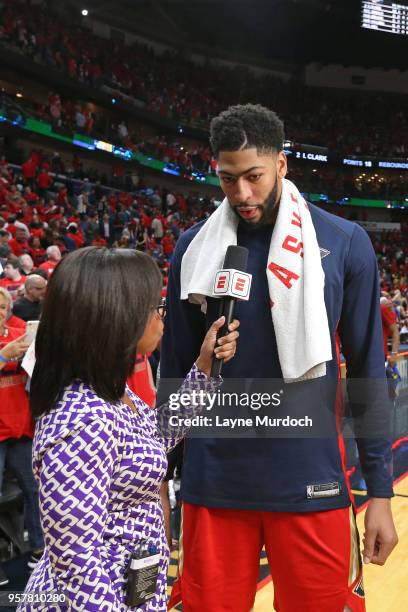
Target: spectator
column 82, row 202
column 30, row 196
column 19, row 245
column 53, row 259
column 16, row 425
column 76, row 235
column 123, row 131
column 16, row 322
column 28, row 307
column 157, row 228
column 98, row 241
column 106, row 228
column 4, row 248
column 37, row 252
column 80, row 120
column 26, row 264
column 13, row 280
column 90, row 228
column 22, row 215
column 390, row 328
column 44, row 181
column 4, row 254
column 168, row 244
column 29, row 169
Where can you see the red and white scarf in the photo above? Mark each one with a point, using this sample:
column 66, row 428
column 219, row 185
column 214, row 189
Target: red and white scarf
column 295, row 279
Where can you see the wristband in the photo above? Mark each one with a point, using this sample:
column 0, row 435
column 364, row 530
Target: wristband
column 4, row 359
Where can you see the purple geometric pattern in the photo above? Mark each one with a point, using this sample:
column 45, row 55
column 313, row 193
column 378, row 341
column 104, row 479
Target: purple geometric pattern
column 99, row 467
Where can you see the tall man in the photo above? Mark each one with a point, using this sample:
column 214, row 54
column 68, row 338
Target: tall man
column 289, row 494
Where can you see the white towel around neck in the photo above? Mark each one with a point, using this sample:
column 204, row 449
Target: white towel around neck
column 296, row 282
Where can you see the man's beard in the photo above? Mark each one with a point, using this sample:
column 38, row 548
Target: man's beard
column 269, row 207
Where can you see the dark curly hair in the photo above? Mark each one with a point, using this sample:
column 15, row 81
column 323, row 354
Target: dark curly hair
column 245, row 126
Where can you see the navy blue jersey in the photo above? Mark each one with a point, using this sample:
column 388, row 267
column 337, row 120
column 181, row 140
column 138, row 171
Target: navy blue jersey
column 274, row 473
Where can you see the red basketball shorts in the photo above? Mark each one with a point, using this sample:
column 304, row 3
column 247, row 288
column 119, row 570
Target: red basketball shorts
column 313, row 557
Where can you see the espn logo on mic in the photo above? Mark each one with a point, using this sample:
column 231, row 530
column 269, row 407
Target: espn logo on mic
column 232, row 283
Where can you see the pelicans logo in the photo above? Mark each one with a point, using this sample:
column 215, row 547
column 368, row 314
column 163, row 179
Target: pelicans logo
column 324, row 252
column 359, row 589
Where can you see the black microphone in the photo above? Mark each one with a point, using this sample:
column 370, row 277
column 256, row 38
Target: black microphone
column 232, row 283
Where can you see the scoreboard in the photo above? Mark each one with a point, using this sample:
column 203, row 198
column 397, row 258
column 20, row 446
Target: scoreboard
column 385, row 16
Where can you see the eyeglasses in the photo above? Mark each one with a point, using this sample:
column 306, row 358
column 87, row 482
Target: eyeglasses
column 161, row 309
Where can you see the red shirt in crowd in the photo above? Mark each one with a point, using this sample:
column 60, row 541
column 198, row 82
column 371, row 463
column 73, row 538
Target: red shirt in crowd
column 15, row 414
column 17, row 323
column 48, row 266
column 37, row 255
column 77, row 238
column 44, row 180
column 18, row 248
column 37, row 232
column 62, row 197
column 29, row 168
column 388, row 318
column 146, row 220
column 31, row 197
column 12, row 286
column 168, row 244
column 141, row 381
column 99, row 242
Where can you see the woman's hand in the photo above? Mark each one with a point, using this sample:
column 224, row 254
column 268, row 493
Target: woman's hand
column 226, row 345
column 15, row 349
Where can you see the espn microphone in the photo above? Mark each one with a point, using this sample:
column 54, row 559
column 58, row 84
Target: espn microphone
column 232, row 283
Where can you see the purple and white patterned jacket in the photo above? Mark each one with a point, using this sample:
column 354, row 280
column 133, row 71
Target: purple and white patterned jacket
column 99, row 468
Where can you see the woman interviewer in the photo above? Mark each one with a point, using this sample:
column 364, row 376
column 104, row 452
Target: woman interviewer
column 99, row 452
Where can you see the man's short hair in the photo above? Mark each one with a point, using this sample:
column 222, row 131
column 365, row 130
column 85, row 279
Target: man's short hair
column 12, row 260
column 32, row 279
column 24, row 257
column 247, row 126
column 53, row 250
column 4, row 250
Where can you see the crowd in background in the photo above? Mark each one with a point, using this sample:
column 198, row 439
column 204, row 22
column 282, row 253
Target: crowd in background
column 172, row 86
column 75, row 116
column 391, row 248
column 39, row 210
column 191, row 156
column 43, row 216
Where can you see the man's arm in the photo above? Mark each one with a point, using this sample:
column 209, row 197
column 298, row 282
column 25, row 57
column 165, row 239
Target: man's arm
column 361, row 336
